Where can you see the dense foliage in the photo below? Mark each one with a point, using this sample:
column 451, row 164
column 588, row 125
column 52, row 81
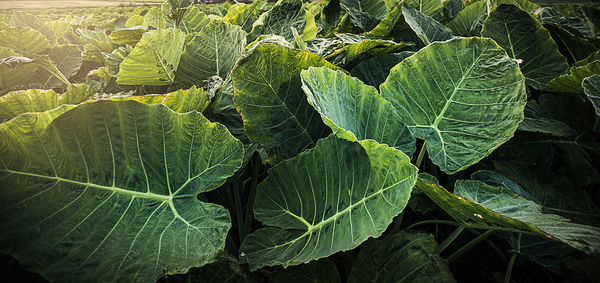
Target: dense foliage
column 333, row 141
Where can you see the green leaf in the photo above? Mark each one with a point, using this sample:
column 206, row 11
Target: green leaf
column 538, row 120
column 193, row 20
column 108, row 192
column 327, row 199
column 27, row 20
column 524, row 38
column 365, row 14
column 181, row 100
column 68, row 59
column 279, row 20
column 98, row 39
column 24, row 41
column 13, row 77
column 464, row 97
column 385, row 27
column 591, row 87
column 211, row 52
column 358, row 45
column 427, row 7
column 478, row 205
column 18, row 102
column 498, row 180
column 403, row 256
column 355, row 111
column 375, row 70
column 129, row 36
column 154, row 19
column 469, row 20
column 154, row 59
column 244, row 15
column 428, row 29
column 321, row 271
column 7, row 52
column 571, row 82
column 274, row 108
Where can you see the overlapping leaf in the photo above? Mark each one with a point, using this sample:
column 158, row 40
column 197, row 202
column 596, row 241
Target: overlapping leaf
column 279, row 20
column 107, row 192
column 327, row 199
column 591, row 87
column 24, row 41
column 428, row 29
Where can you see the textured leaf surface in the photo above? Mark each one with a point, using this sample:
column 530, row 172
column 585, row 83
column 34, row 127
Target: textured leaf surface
column 469, row 20
column 479, row 205
column 358, row 45
column 27, row 20
column 268, row 93
column 328, row 199
column 464, row 97
column 571, row 82
column 355, row 111
column 181, row 100
column 591, row 87
column 523, row 37
column 279, row 20
column 404, row 256
column 24, row 41
column 374, row 71
column 211, row 52
column 537, row 119
column 68, row 59
column 129, row 36
column 365, row 14
column 154, row 59
column 107, row 192
column 428, row 29
column 18, row 102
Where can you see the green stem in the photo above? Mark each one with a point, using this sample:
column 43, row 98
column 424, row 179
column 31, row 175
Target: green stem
column 421, row 154
column 450, row 239
column 511, row 263
column 469, row 245
column 447, row 222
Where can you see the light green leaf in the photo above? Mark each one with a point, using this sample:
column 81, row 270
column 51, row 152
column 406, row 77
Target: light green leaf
column 468, row 21
column 27, row 20
column 385, row 27
column 154, row 59
column 358, row 45
column 323, row 46
column 464, row 97
column 154, row 19
column 571, row 82
column 134, row 20
column 7, row 52
column 129, row 36
column 478, row 205
column 327, row 199
column 244, row 15
column 18, row 102
column 375, row 70
column 403, row 256
column 108, row 192
column 211, row 52
column 279, row 20
column 274, row 108
column 68, row 59
column 355, row 111
column 524, row 38
column 428, row 29
column 193, row 20
column 98, row 39
column 24, row 41
column 365, row 14
column 321, row 271
column 591, row 87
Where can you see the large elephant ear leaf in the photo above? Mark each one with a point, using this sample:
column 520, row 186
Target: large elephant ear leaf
column 154, row 59
column 591, row 87
column 355, row 111
column 524, row 38
column 400, row 257
column 268, row 93
column 211, row 52
column 24, row 41
column 426, row 28
column 108, row 192
column 464, row 97
column 279, row 20
column 327, row 199
column 479, row 205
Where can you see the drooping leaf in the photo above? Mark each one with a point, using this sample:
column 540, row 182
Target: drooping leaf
column 107, row 192
column 211, row 52
column 68, row 59
column 24, row 64
column 537, row 119
column 573, row 24
column 327, row 199
column 279, row 20
column 468, row 21
column 403, row 256
column 268, row 95
column 18, row 102
column 321, row 271
column 478, row 205
column 24, row 41
column 223, row 110
column 524, row 38
column 571, row 82
column 358, row 45
column 375, row 70
column 154, row 59
column 498, row 180
column 387, row 25
column 181, row 100
column 365, row 14
column 428, row 29
column 244, row 15
column 464, row 97
column 591, row 87
column 323, row 46
column 355, row 111
column 130, row 36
